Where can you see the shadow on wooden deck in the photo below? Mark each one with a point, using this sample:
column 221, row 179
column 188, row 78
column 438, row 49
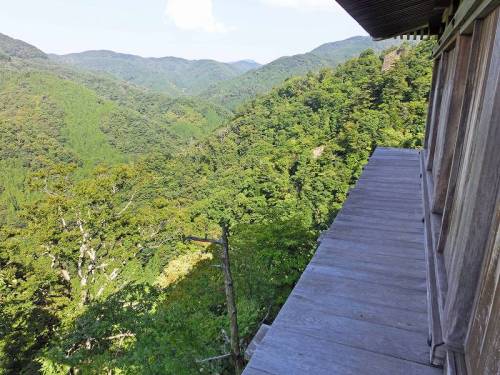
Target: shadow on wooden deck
column 360, row 307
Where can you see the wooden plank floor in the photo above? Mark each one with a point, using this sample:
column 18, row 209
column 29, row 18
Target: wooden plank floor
column 360, row 306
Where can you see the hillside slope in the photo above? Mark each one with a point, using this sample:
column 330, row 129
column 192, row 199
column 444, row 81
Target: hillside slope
column 51, row 113
column 171, row 75
column 10, row 47
column 235, row 91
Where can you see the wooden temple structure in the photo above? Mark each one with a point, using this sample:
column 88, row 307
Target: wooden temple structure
column 406, row 280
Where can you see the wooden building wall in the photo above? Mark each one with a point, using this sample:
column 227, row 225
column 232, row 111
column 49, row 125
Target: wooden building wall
column 462, row 163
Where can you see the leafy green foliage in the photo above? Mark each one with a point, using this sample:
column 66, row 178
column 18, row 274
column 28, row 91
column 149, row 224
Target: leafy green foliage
column 88, row 276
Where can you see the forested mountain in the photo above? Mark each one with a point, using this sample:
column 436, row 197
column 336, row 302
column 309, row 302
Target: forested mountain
column 245, row 65
column 95, row 273
column 50, row 113
column 233, row 92
column 227, row 84
column 10, row 47
column 170, row 75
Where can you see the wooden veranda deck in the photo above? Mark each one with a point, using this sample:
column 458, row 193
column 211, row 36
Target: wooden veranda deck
column 360, row 307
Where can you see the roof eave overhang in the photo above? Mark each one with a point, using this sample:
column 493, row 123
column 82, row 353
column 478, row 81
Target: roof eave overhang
column 385, row 19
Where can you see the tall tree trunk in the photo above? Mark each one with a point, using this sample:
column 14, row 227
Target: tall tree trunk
column 231, row 305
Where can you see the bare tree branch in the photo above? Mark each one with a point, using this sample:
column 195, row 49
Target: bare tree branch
column 87, row 343
column 127, row 205
column 216, row 358
column 63, row 222
column 55, row 262
column 120, row 336
column 206, row 240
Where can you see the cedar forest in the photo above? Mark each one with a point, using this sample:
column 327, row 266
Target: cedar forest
column 102, row 181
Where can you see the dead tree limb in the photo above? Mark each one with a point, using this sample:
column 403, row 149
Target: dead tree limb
column 203, row 239
column 218, row 357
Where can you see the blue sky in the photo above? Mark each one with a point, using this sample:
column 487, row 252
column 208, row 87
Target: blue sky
column 225, row 30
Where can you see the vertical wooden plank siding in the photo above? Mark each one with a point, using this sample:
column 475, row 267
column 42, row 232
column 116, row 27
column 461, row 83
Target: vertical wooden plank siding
column 477, row 187
column 482, row 349
column 476, row 99
column 482, row 354
column 471, row 78
column 449, row 120
column 435, row 109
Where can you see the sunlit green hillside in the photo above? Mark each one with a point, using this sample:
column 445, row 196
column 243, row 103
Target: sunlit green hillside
column 53, row 113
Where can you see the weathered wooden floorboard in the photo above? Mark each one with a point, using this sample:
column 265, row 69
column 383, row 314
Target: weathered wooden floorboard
column 358, row 254
column 360, row 305
column 370, row 312
column 364, row 238
column 401, row 192
column 398, row 267
column 285, row 355
column 341, row 227
column 381, row 213
column 318, row 322
column 375, row 223
column 403, row 173
column 386, row 295
column 408, row 195
column 392, row 198
column 370, row 248
column 372, row 273
column 394, row 210
column 390, row 187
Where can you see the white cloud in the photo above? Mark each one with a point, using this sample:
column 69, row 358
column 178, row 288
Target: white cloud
column 328, row 5
column 194, row 15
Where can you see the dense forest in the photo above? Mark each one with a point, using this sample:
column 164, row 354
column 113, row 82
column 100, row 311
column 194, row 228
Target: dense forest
column 103, row 181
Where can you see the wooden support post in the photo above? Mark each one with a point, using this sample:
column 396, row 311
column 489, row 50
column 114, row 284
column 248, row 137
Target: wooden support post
column 231, row 304
column 236, row 355
column 428, row 126
column 435, row 108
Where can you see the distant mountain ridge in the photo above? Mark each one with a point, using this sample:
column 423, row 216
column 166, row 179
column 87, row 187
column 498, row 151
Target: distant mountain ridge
column 10, row 47
column 235, row 91
column 85, row 117
column 246, row 65
column 171, row 75
column 227, row 84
